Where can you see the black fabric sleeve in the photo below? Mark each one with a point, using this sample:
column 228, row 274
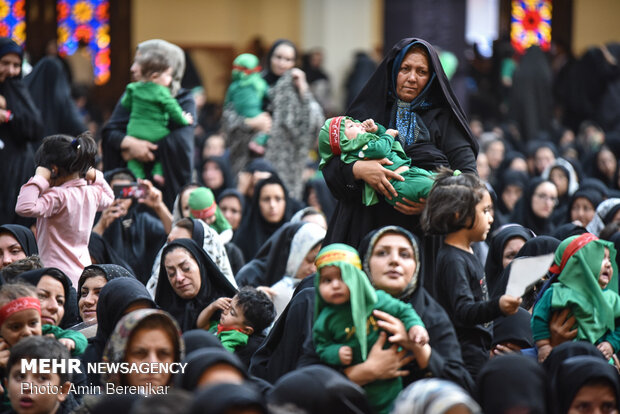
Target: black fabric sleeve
column 455, row 145
column 464, row 308
column 341, row 182
column 112, row 135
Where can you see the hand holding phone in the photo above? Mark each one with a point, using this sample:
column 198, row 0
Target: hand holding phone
column 131, row 190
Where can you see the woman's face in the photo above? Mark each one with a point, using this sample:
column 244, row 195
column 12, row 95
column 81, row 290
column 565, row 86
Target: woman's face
column 183, row 273
column 52, row 297
column 599, row 399
column 212, row 175
column 10, row 66
column 307, row 266
column 392, row 263
column 544, row 199
column 185, row 201
column 413, row 76
column 518, row 164
column 89, row 295
column 272, row 203
column 511, row 248
column 231, row 209
column 606, row 162
column 495, row 153
column 282, row 59
column 510, row 196
column 543, row 158
column 149, row 345
column 582, row 210
column 10, row 250
column 559, row 178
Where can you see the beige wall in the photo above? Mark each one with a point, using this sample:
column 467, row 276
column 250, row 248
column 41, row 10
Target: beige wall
column 215, row 30
column 595, row 22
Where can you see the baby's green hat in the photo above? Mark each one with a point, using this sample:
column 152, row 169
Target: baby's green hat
column 330, row 136
column 202, row 203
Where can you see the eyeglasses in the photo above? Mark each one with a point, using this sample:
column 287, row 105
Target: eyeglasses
column 545, row 197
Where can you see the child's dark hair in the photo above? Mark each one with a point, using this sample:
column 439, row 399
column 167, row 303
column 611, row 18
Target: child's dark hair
column 451, row 204
column 68, row 154
column 257, row 308
column 10, row 272
column 152, row 61
column 39, row 347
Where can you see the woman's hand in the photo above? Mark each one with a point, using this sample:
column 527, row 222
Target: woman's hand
column 509, row 305
column 117, row 209
column 299, row 80
column 261, row 122
column 561, row 327
column 500, row 349
column 409, row 207
column 606, row 349
column 2, row 102
column 376, row 176
column 154, row 199
column 133, row 148
column 380, row 364
column 5, row 352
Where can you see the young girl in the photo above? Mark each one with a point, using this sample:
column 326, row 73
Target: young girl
column 585, row 266
column 64, row 195
column 459, row 206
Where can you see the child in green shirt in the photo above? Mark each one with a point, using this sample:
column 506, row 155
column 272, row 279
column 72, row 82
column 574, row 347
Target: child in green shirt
column 151, row 107
column 354, row 141
column 247, row 313
column 344, row 326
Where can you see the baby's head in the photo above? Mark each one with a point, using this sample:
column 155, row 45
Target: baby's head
column 20, row 383
column 335, row 132
column 250, row 311
column 155, row 66
column 20, row 313
column 245, row 65
column 202, row 205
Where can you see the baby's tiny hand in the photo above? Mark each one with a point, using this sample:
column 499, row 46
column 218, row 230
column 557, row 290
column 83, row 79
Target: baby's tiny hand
column 345, row 353
column 188, row 117
column 392, row 132
column 69, row 343
column 418, row 335
column 370, row 126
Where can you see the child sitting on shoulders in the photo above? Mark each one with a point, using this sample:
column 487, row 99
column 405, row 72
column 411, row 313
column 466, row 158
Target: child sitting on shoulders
column 151, row 106
column 344, row 326
column 19, row 383
column 584, row 285
column 247, row 313
column 354, row 141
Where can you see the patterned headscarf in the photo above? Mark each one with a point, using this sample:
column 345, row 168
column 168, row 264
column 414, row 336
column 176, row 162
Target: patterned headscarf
column 433, row 396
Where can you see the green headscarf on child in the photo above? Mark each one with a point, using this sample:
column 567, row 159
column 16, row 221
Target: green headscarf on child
column 202, row 206
column 362, row 295
column 580, row 259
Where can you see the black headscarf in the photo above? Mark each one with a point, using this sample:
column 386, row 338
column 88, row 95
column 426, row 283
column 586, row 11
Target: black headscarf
column 536, row 246
column 574, row 373
column 567, row 350
column 51, row 91
column 515, row 329
column 255, row 230
column 270, row 77
column 567, row 230
column 506, row 178
column 225, row 398
column 101, row 252
column 196, row 339
column 213, row 285
column 524, row 215
column 232, row 192
column 200, row 360
column 269, row 265
column 378, row 97
column 324, row 196
column 110, row 271
column 493, row 266
column 592, row 195
column 114, row 299
column 24, row 237
column 319, row 389
column 513, row 382
column 71, row 315
column 224, row 166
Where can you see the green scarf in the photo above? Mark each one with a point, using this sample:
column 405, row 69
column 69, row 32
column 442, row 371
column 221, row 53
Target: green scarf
column 577, row 287
column 362, row 295
column 202, row 206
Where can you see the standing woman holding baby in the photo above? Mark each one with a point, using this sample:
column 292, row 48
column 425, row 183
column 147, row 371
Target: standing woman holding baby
column 408, row 92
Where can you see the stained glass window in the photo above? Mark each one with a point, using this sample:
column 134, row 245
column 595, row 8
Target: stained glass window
column 12, row 20
column 530, row 24
column 87, row 21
